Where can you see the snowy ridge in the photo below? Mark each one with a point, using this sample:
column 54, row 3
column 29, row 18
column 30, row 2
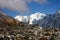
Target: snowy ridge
column 22, row 18
column 43, row 20
column 34, row 17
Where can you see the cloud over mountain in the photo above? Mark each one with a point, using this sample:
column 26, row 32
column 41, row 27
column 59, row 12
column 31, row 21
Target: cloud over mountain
column 19, row 5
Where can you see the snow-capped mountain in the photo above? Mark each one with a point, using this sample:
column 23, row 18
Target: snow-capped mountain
column 44, row 20
column 22, row 18
column 35, row 17
column 32, row 19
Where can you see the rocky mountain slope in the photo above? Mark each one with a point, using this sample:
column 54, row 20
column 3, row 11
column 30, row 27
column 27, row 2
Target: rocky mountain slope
column 11, row 29
column 50, row 20
column 7, row 20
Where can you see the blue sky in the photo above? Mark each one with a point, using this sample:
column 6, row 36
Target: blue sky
column 49, row 8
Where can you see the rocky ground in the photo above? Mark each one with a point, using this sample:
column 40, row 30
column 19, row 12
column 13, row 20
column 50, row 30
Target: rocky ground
column 28, row 32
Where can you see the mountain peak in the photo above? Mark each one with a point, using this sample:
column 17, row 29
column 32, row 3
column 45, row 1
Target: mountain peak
column 34, row 17
column 58, row 11
column 38, row 13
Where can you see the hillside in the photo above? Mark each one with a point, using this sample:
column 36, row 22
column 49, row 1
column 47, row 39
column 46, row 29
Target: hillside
column 12, row 29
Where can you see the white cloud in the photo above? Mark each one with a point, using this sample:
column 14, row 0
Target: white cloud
column 19, row 5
